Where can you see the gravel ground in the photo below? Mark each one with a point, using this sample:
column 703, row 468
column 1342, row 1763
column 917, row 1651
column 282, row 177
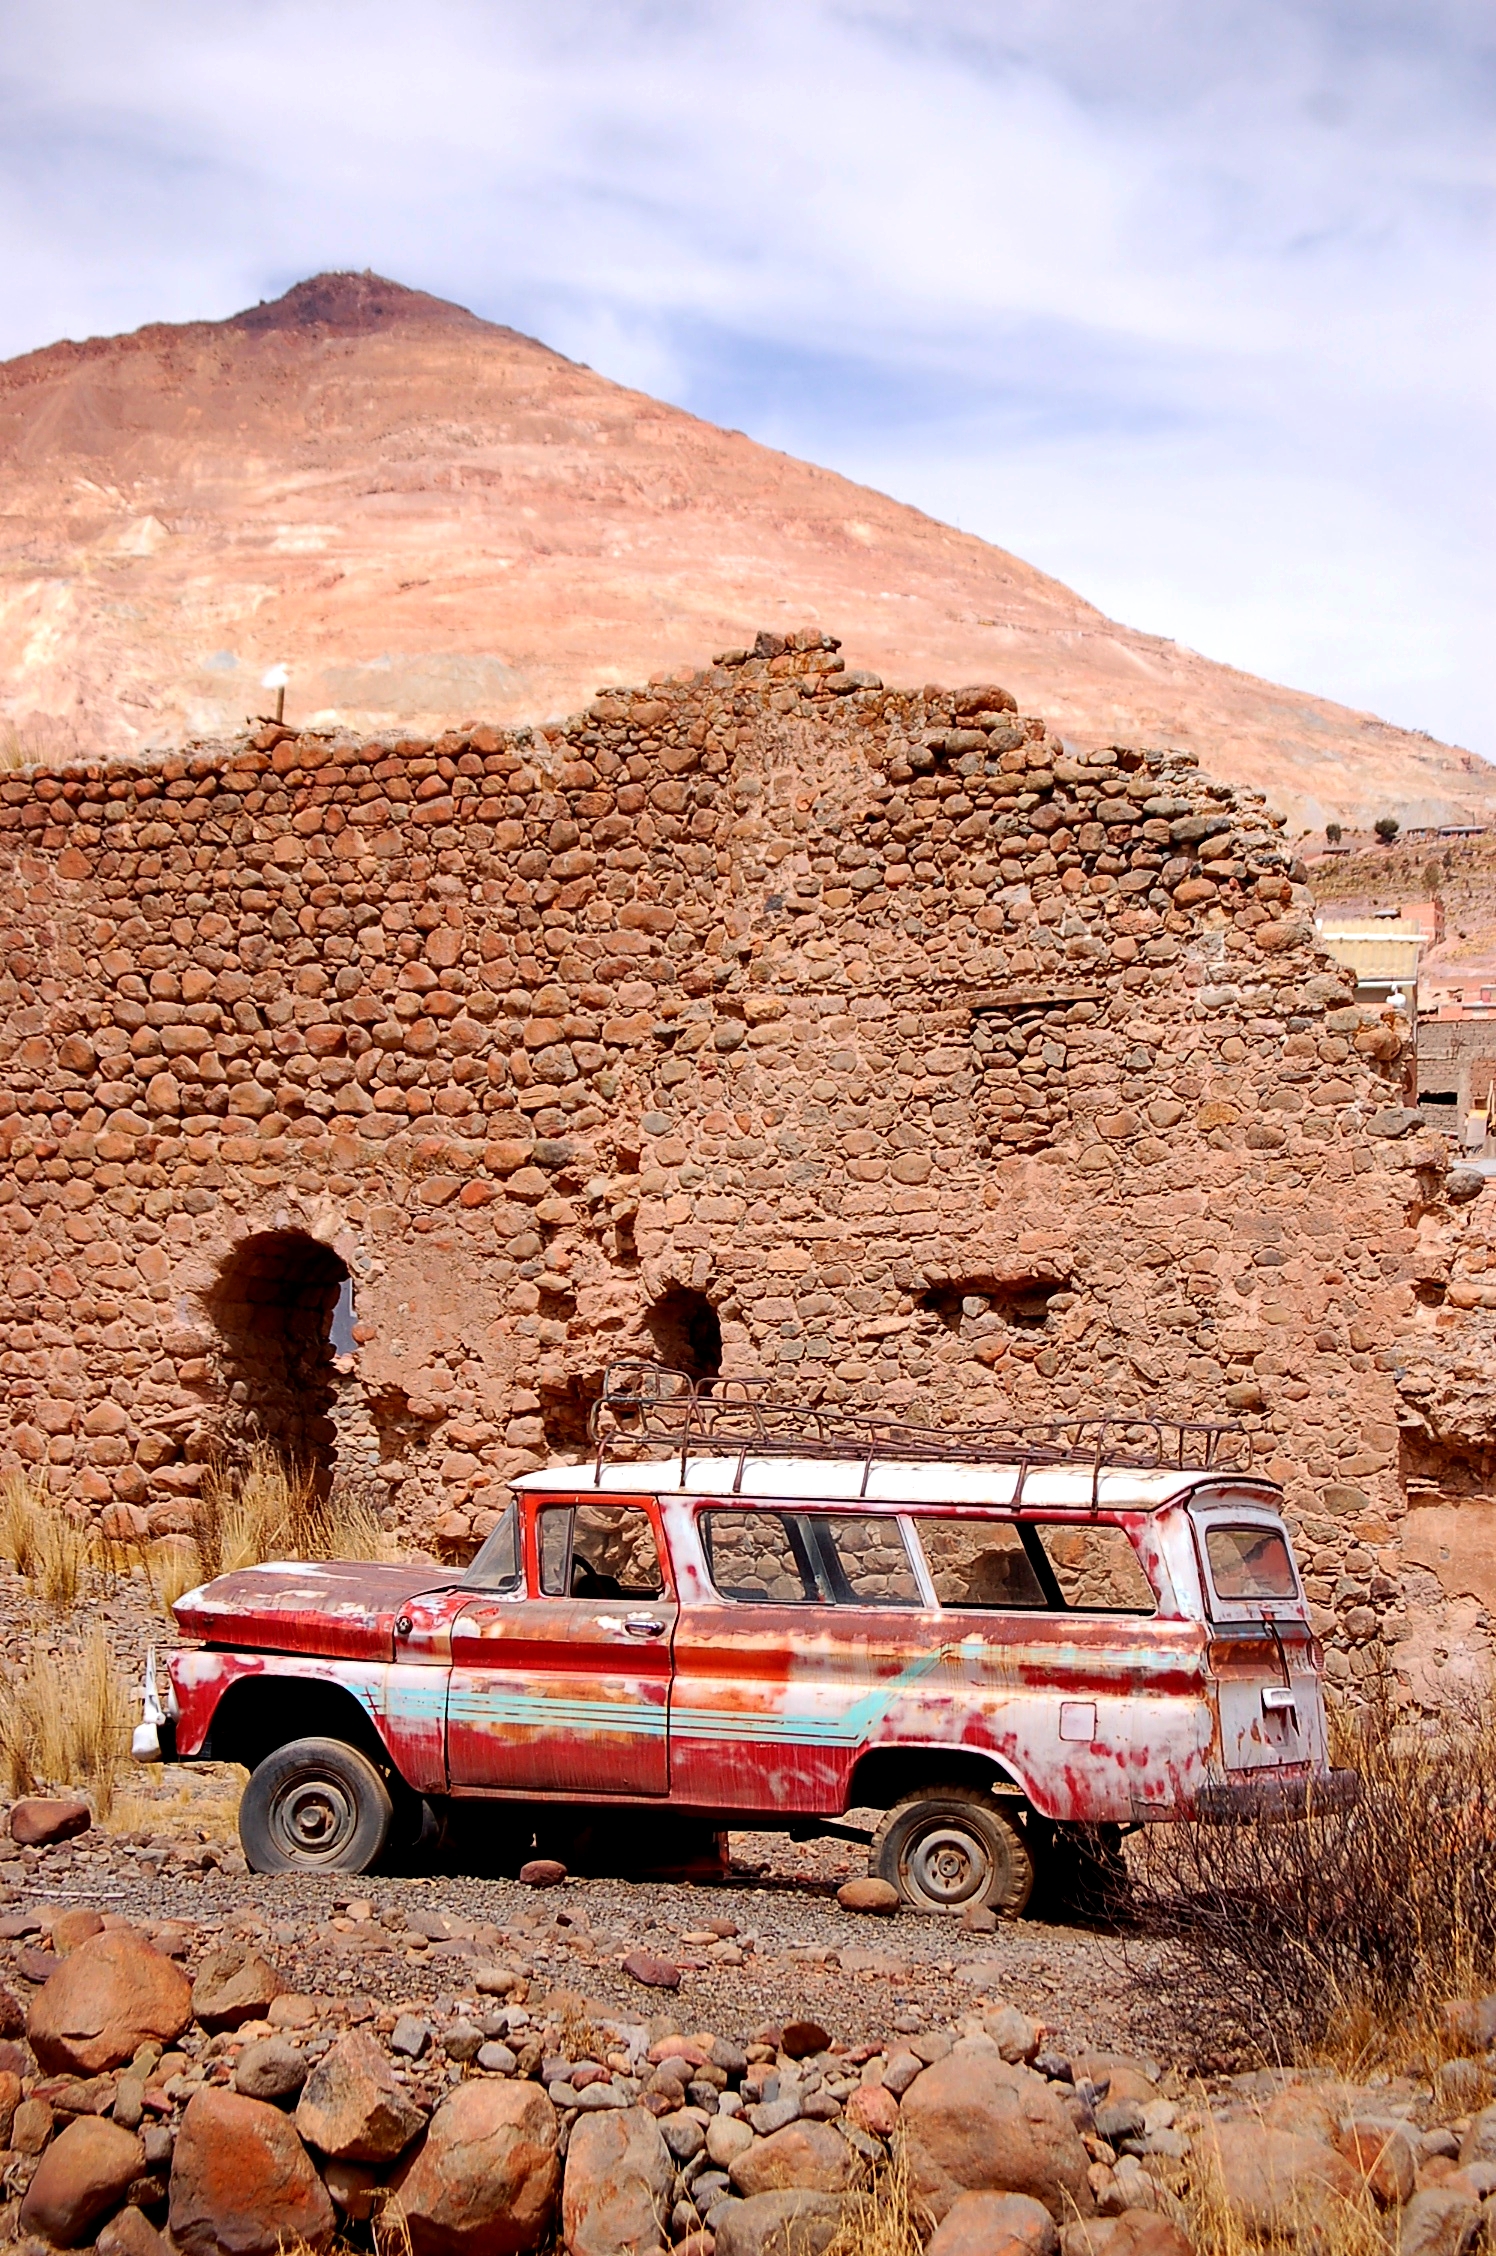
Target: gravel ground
column 783, row 1948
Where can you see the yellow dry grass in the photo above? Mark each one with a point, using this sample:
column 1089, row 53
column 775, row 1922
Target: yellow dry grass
column 1315, row 2218
column 66, row 1721
column 63, row 1561
column 270, row 1509
column 884, row 2216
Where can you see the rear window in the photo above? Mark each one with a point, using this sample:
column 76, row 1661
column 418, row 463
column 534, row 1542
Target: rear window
column 1250, row 1562
column 808, row 1558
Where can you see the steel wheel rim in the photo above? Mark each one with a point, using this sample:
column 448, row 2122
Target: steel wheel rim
column 313, row 1818
column 948, row 1864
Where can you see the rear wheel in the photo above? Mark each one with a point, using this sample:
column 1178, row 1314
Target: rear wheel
column 317, row 1805
column 951, row 1848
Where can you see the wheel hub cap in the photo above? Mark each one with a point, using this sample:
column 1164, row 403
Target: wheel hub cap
column 949, row 1866
column 313, row 1817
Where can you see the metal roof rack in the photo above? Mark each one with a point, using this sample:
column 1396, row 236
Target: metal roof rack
column 645, row 1408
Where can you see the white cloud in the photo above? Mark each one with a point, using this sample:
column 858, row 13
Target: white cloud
column 1189, row 304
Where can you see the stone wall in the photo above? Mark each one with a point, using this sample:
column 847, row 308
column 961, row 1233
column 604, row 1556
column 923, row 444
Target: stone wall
column 763, row 1018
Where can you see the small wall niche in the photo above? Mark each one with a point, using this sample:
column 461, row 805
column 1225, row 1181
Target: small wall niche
column 687, row 1332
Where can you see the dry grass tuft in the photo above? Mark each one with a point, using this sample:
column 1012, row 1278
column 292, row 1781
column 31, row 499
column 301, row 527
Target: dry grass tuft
column 66, row 1723
column 1338, row 1936
column 64, row 1561
column 883, row 2218
column 1329, row 2224
column 270, row 1509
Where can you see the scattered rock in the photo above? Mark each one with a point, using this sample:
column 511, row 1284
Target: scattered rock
column 777, row 2224
column 12, row 2014
column 234, row 1986
column 1382, row 2153
column 1479, row 2142
column 1016, row 2036
column 727, row 2136
column 542, row 1872
column 654, row 1973
column 813, row 2156
column 1136, row 2232
column 1119, row 2074
column 615, row 2199
column 107, row 1997
column 270, row 2069
column 70, row 1928
column 352, row 2107
column 484, row 2180
column 874, row 2109
column 868, row 1895
column 1281, row 2182
column 242, row 2183
column 131, row 2233
column 800, row 2039
column 83, row 2174
column 410, row 2036
column 974, row 2123
column 997, row 2224
column 41, row 1820
column 31, row 2126
column 1436, row 2223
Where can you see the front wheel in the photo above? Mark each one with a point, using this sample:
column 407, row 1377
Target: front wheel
column 952, row 1848
column 317, row 1805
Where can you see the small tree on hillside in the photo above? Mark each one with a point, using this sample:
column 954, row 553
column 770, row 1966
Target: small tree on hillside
column 1387, row 828
column 1333, row 833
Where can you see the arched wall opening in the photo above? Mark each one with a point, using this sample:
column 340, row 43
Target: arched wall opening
column 687, row 1332
column 273, row 1307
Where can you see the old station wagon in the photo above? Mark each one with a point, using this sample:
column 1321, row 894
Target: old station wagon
column 747, row 1613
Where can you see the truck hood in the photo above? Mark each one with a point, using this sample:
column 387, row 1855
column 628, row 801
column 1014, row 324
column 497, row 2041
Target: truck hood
column 339, row 1607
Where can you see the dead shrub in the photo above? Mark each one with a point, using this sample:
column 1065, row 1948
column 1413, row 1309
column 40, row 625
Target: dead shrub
column 66, row 1722
column 271, row 1509
column 1340, row 1932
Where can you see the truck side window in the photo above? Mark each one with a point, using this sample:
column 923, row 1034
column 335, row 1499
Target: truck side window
column 864, row 1560
column 598, row 1551
column 497, row 1566
column 759, row 1557
column 1097, row 1570
column 980, row 1563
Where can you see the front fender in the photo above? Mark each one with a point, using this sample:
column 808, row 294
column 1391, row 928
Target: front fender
column 403, row 1705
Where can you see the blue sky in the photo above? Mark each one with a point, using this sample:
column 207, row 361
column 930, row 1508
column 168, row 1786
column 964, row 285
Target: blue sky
column 1190, row 305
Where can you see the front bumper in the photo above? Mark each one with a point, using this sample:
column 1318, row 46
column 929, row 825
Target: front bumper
column 1228, row 1801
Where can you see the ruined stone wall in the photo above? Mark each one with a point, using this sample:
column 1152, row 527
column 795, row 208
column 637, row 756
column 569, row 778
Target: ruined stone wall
column 764, row 1017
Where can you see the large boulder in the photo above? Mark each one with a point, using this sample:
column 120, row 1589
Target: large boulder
column 1384, row 2156
column 484, row 2180
column 108, row 1997
column 812, row 2156
column 975, row 2122
column 38, row 1821
column 777, row 2224
column 234, row 1985
column 996, row 2224
column 80, row 2178
column 1282, row 2184
column 615, row 2200
column 242, row 2183
column 352, row 2107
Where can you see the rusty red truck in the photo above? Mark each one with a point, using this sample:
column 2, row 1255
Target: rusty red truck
column 751, row 1614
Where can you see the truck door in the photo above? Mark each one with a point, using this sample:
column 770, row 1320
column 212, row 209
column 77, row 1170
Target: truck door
column 565, row 1690
column 1263, row 1656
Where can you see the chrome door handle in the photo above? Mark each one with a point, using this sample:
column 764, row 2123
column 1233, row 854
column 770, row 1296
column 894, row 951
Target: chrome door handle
column 643, row 1625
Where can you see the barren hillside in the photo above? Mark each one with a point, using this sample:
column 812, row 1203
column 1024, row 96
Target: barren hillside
column 431, row 518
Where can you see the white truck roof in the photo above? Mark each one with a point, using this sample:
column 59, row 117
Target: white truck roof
column 765, row 1478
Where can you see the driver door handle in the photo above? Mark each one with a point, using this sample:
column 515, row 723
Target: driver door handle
column 643, row 1625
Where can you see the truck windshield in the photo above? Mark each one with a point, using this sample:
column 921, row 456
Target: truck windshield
column 497, row 1566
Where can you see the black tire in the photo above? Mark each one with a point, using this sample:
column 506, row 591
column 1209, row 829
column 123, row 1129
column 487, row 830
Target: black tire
column 317, row 1805
column 952, row 1847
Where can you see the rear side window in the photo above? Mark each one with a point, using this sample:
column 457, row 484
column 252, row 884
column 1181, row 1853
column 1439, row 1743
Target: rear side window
column 1097, row 1570
column 980, row 1563
column 1250, row 1562
column 808, row 1558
